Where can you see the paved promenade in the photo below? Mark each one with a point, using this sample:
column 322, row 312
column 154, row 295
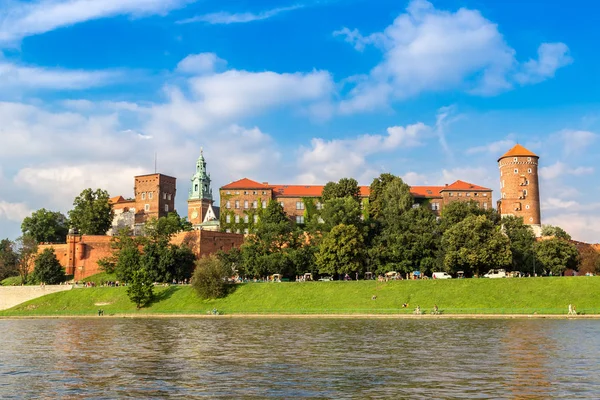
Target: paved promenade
column 10, row 296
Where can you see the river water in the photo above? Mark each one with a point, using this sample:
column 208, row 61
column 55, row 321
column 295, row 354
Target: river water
column 299, row 358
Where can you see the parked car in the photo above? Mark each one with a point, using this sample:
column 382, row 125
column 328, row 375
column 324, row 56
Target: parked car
column 495, row 273
column 440, row 275
column 326, row 278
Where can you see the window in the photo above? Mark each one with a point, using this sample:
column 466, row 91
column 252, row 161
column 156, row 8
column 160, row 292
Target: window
column 255, row 204
column 237, row 204
column 485, row 206
column 531, row 219
column 143, row 195
column 527, row 207
column 485, row 195
column 525, row 192
column 526, row 182
column 299, row 219
column 228, row 204
column 227, row 192
column 529, row 170
column 237, row 219
column 516, row 170
column 195, row 187
column 146, row 207
column 246, row 219
column 228, row 230
column 528, row 158
column 515, row 159
column 237, row 192
column 254, row 192
column 245, row 231
column 164, row 196
column 245, row 192
column 500, row 173
column 166, row 208
column 450, row 194
column 263, row 192
column 169, row 196
column 255, row 218
column 459, row 194
column 435, row 206
column 475, row 194
column 237, row 231
column 468, row 194
column 503, row 195
column 299, row 205
column 150, row 194
column 245, row 203
column 228, row 218
column 503, row 183
column 319, row 205
column 281, row 204
column 264, row 204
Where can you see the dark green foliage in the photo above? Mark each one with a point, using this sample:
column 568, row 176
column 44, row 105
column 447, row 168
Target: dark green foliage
column 128, row 261
column 140, row 288
column 47, row 269
column 341, row 251
column 457, row 211
column 273, row 214
column 210, row 277
column 475, row 245
column 556, row 255
column 556, row 231
column 522, row 239
column 46, row 226
column 92, row 213
column 396, row 200
column 165, row 227
column 346, row 187
column 26, row 248
column 8, row 259
column 376, row 200
column 336, row 211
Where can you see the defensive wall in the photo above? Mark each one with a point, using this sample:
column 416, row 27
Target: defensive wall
column 80, row 255
column 11, row 296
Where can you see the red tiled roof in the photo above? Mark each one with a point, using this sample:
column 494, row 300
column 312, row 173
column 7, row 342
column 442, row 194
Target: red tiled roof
column 246, row 183
column 116, row 199
column 461, row 185
column 426, row 191
column 518, row 151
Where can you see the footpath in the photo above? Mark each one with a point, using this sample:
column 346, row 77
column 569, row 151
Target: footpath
column 11, row 296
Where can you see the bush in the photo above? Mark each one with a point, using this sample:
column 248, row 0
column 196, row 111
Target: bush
column 11, row 281
column 210, row 277
column 141, row 288
column 47, row 268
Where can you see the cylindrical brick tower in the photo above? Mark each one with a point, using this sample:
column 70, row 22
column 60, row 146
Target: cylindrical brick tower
column 519, row 186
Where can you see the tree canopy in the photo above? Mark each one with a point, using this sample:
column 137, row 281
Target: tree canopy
column 8, row 259
column 521, row 239
column 92, row 213
column 341, row 251
column 345, row 187
column 556, row 255
column 46, row 226
column 556, row 231
column 47, row 268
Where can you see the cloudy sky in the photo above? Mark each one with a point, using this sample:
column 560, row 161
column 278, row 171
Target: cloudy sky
column 300, row 91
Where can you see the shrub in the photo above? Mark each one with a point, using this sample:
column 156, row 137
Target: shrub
column 210, row 277
column 48, row 269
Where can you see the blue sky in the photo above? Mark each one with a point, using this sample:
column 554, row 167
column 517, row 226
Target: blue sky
column 297, row 92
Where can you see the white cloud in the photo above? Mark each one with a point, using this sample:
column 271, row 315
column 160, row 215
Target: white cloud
column 334, row 159
column 415, row 178
column 576, row 140
column 24, row 77
column 13, row 211
column 22, row 19
column 551, row 57
column 203, row 63
column 559, row 169
column 236, row 18
column 582, row 226
column 496, row 148
column 426, row 49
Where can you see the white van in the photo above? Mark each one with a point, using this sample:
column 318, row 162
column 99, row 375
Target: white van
column 495, row 273
column 440, row 275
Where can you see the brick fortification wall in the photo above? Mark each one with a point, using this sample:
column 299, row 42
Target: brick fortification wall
column 80, row 255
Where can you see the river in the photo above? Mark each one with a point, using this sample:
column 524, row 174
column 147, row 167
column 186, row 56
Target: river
column 299, row 358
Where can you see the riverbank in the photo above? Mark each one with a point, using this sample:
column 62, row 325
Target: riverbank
column 464, row 298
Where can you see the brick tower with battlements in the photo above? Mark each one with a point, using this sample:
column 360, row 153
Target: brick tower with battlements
column 200, row 198
column 519, row 187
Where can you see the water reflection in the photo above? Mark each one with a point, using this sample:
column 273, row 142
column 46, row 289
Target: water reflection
column 279, row 358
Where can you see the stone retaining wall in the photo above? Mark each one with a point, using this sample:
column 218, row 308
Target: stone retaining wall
column 11, row 296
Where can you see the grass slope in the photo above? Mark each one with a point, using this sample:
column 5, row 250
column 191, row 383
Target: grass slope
column 464, row 296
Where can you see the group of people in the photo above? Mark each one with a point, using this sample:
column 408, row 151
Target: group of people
column 418, row 311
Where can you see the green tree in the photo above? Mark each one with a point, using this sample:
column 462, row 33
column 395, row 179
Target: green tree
column 47, row 268
column 8, row 259
column 26, row 247
column 210, row 277
column 397, row 200
column 140, row 289
column 343, row 188
column 341, row 251
column 376, row 200
column 589, row 259
column 475, row 245
column 457, row 211
column 338, row 211
column 273, row 214
column 46, row 226
column 165, row 227
column 522, row 239
column 556, row 231
column 92, row 213
column 128, row 261
column 556, row 255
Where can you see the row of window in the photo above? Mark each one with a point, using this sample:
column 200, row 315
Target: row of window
column 147, row 207
column 516, row 171
column 166, row 196
column 467, row 194
column 246, row 204
column 521, row 196
column 237, row 218
column 247, row 192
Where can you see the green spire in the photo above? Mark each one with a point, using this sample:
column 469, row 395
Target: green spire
column 200, row 181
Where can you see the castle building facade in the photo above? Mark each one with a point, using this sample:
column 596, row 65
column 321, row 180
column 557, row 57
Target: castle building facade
column 242, row 200
column 519, row 186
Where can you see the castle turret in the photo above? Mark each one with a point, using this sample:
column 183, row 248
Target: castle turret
column 519, row 186
column 200, row 198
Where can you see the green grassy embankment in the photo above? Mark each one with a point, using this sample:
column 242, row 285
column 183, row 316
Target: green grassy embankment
column 464, row 296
